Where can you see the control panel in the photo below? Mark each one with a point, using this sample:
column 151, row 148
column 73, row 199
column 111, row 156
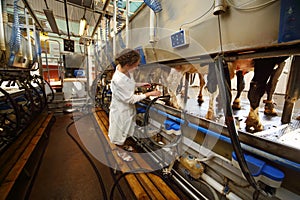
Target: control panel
column 179, row 39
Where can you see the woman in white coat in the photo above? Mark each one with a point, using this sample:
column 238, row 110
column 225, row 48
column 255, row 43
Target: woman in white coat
column 122, row 109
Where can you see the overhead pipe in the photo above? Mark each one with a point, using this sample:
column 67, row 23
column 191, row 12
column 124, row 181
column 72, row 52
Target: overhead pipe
column 67, row 19
column 29, row 53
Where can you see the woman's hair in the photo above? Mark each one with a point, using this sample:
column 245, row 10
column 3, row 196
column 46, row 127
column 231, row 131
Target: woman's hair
column 127, row 56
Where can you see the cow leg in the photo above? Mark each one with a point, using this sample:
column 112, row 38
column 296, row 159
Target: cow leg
column 180, row 87
column 173, row 100
column 271, row 86
column 240, row 87
column 220, row 102
column 212, row 89
column 211, row 112
column 255, row 93
column 192, row 78
column 262, row 71
column 202, row 84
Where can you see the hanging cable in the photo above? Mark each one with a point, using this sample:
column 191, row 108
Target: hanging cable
column 263, row 5
column 211, row 7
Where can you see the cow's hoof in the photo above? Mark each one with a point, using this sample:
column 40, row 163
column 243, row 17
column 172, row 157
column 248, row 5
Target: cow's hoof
column 269, row 109
column 270, row 112
column 209, row 115
column 253, row 125
column 236, row 105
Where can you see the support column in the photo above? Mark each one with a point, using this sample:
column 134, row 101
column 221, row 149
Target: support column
column 292, row 93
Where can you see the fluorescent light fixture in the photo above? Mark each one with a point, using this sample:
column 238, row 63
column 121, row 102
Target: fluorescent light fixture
column 82, row 26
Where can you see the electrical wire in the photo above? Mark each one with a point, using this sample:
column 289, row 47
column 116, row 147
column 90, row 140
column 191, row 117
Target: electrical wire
column 257, row 7
column 211, row 7
column 87, row 156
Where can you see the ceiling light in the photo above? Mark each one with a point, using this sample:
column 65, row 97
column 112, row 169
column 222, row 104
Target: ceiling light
column 82, row 26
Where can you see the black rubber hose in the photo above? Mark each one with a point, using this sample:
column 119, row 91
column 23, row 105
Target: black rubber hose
column 229, row 120
column 15, row 108
column 52, row 91
column 36, row 79
column 146, row 116
column 88, row 157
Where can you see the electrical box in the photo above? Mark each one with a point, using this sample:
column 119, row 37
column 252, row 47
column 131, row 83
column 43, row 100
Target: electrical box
column 180, row 39
column 289, row 21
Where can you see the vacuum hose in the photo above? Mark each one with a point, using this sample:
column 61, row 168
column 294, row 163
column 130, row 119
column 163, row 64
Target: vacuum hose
column 229, row 120
column 15, row 40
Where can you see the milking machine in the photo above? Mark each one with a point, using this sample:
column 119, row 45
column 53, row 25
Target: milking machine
column 22, row 98
column 22, row 90
column 102, row 90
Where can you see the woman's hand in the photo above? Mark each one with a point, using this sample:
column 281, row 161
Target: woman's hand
column 153, row 93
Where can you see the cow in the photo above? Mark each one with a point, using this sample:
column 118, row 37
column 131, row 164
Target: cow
column 175, row 76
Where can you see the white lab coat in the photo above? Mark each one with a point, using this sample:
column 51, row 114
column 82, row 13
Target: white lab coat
column 122, row 109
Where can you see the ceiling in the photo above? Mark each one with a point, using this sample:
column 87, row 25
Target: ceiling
column 68, row 25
